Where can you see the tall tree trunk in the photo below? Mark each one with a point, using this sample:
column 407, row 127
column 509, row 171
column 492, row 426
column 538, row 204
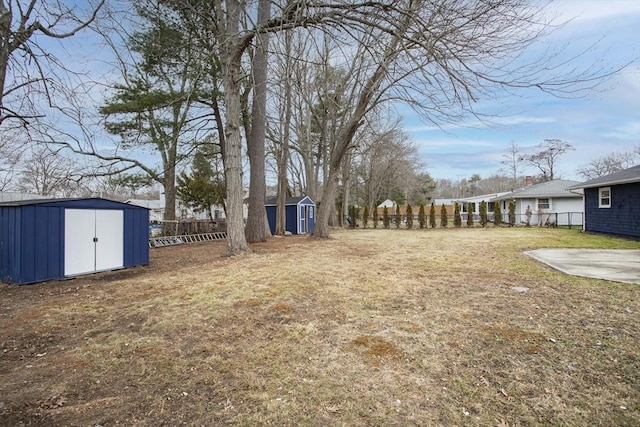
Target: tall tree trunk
column 231, row 71
column 257, row 228
column 283, row 160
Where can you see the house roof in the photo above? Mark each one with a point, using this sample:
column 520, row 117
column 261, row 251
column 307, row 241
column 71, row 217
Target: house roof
column 554, row 188
column 625, row 176
column 272, row 201
column 482, row 197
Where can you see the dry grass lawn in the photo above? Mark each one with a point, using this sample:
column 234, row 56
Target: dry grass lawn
column 369, row 328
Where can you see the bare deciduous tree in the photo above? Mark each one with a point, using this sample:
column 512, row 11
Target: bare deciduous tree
column 546, row 158
column 28, row 70
column 610, row 163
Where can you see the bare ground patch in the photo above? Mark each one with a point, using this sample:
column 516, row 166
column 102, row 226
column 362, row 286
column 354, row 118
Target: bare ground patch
column 371, row 327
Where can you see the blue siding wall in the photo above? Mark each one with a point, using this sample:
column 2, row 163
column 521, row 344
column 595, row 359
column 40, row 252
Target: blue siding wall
column 291, row 223
column 622, row 218
column 32, row 238
column 271, row 217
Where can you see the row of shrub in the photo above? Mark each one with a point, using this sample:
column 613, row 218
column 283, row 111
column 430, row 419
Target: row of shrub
column 430, row 221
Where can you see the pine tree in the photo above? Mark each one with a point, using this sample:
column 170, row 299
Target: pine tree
column 422, row 217
column 365, row 216
column 385, row 217
column 457, row 219
column 483, row 213
column 432, row 215
column 443, row 216
column 497, row 215
column 409, row 217
column 374, row 213
column 470, row 209
column 353, row 214
column 512, row 213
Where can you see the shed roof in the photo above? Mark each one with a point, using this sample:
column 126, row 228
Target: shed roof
column 272, row 201
column 75, row 201
column 625, row 176
column 554, row 188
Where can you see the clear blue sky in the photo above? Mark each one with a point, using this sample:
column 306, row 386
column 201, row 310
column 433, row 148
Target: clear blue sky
column 603, row 122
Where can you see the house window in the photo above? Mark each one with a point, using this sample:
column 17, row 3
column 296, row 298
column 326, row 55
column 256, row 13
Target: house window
column 310, row 211
column 544, row 204
column 604, row 195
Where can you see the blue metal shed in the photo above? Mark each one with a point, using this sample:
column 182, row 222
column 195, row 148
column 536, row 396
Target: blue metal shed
column 49, row 239
column 300, row 214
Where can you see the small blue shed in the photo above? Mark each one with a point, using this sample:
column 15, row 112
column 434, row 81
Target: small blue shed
column 49, row 239
column 612, row 203
column 300, row 214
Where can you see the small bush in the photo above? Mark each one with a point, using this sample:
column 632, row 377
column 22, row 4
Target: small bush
column 432, row 215
column 512, row 213
column 470, row 215
column 497, row 215
column 483, row 213
column 457, row 219
column 443, row 216
column 398, row 216
column 385, row 217
column 365, row 216
column 375, row 217
column 422, row 216
column 409, row 217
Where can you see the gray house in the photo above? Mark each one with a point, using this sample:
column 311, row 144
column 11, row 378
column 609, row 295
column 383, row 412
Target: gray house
column 612, row 203
column 549, row 202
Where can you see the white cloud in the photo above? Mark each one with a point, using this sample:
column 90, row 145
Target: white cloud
column 591, row 10
column 630, row 130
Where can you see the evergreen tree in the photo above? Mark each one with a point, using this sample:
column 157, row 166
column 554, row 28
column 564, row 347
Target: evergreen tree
column 385, row 217
column 205, row 186
column 483, row 213
column 470, row 209
column 398, row 216
column 365, row 216
column 457, row 219
column 443, row 216
column 432, row 215
column 409, row 217
column 422, row 217
column 375, row 217
column 497, row 215
column 353, row 216
column 512, row 213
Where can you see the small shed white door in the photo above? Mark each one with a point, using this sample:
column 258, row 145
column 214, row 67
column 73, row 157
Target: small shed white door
column 94, row 240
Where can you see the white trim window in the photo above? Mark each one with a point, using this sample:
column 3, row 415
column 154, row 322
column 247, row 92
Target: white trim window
column 604, row 197
column 544, row 204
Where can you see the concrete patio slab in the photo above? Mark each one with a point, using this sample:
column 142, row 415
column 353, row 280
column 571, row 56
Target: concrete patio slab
column 617, row 265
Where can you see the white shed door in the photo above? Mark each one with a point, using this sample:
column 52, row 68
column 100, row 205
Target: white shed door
column 94, row 240
column 109, row 239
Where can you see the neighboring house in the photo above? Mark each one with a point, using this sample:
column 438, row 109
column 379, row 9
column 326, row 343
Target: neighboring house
column 299, row 211
column 156, row 210
column 612, row 203
column 474, row 204
column 549, row 202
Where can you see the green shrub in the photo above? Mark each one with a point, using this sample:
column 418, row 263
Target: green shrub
column 432, row 215
column 422, row 217
column 512, row 213
column 443, row 216
column 375, row 217
column 398, row 216
column 457, row 219
column 483, row 213
column 353, row 214
column 497, row 215
column 409, row 217
column 365, row 216
column 470, row 214
column 385, row 217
